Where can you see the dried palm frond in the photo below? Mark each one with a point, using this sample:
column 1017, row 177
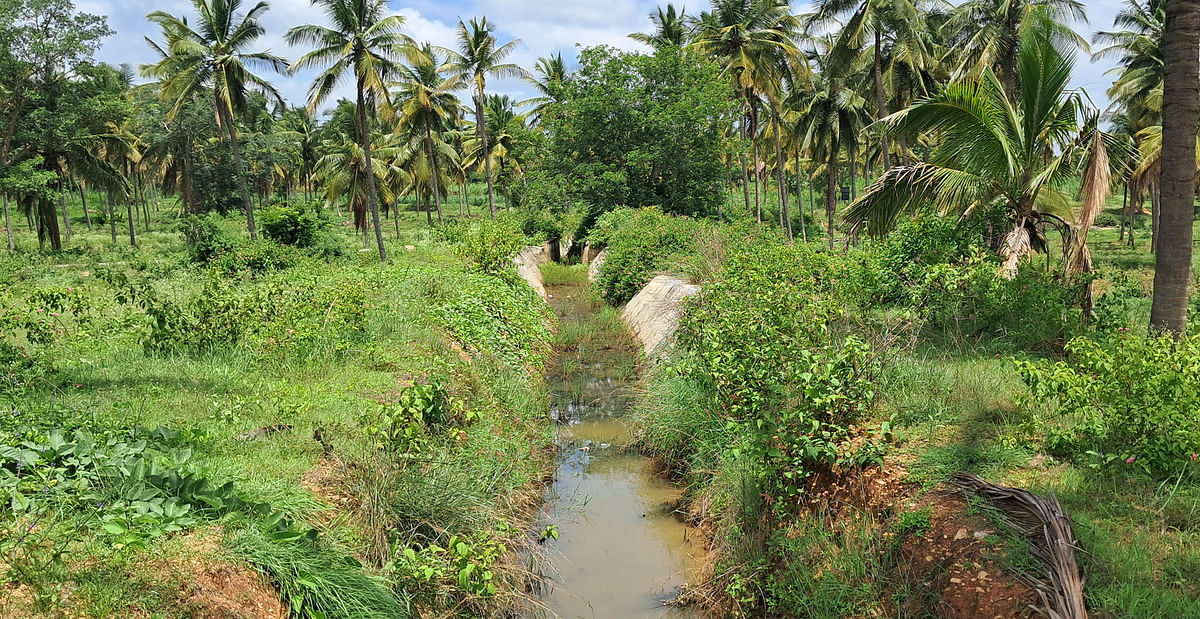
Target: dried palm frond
column 1016, row 245
column 1041, row 522
column 1097, row 180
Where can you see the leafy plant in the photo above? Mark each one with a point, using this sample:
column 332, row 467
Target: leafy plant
column 291, row 225
column 1128, row 401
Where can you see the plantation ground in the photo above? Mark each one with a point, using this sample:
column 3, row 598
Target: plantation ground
column 384, row 427
column 352, row 406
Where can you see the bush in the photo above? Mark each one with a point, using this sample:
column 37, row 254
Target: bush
column 489, row 244
column 255, row 258
column 757, row 341
column 491, row 315
column 291, row 225
column 640, row 242
column 1034, row 310
column 1108, row 220
column 206, row 236
column 1130, row 401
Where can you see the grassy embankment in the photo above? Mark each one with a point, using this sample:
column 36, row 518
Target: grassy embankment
column 841, row 520
column 369, row 438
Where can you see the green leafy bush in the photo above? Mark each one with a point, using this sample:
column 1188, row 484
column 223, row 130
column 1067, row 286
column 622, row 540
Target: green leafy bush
column 255, row 258
column 1130, row 401
column 291, row 225
column 280, row 312
column 404, row 427
column 206, row 236
column 492, row 315
column 1034, row 310
column 489, row 244
column 757, row 340
column 640, row 242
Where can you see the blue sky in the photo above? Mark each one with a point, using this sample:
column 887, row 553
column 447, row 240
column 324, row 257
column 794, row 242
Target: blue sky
column 544, row 27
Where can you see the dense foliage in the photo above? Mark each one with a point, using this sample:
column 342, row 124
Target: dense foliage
column 1129, row 400
column 638, row 130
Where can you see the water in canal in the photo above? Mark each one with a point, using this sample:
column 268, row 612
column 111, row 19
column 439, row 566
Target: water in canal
column 621, row 551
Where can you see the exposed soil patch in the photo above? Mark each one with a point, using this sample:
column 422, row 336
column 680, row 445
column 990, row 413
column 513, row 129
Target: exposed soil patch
column 954, row 561
column 217, row 589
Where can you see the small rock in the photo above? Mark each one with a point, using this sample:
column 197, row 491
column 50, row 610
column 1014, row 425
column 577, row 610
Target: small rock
column 982, row 575
column 962, row 534
column 957, row 581
column 980, row 535
column 978, row 589
column 928, row 559
column 409, row 247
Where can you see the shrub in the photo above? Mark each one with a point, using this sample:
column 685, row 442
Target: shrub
column 255, row 258
column 1107, row 220
column 640, row 242
column 291, row 225
column 206, row 236
column 1034, row 310
column 756, row 339
column 487, row 314
column 489, row 244
column 1130, row 401
column 914, row 246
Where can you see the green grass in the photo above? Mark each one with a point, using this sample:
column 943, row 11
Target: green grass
column 476, row 482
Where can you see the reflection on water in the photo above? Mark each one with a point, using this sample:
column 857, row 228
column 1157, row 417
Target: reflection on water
column 620, row 550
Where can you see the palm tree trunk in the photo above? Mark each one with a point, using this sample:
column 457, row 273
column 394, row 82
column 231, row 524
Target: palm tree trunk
column 1181, row 107
column 754, row 154
column 880, row 111
column 1133, row 213
column 745, row 180
column 1124, row 210
column 800, row 199
column 235, row 149
column 433, row 171
column 785, row 219
column 48, row 225
column 132, row 220
column 364, row 132
column 66, row 214
column 1155, row 209
column 851, row 159
column 481, row 127
column 112, row 215
column 83, row 196
column 830, row 182
column 8, row 226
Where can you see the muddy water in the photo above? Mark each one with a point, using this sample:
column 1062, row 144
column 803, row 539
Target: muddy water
column 620, row 551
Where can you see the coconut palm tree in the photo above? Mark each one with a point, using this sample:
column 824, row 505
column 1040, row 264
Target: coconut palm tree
column 753, row 40
column 364, row 40
column 478, row 56
column 1138, row 49
column 501, row 116
column 214, row 58
column 986, row 33
column 343, row 170
column 428, row 107
column 997, row 152
column 549, row 74
column 865, row 20
column 1181, row 109
column 670, row 29
column 830, row 118
column 299, row 124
